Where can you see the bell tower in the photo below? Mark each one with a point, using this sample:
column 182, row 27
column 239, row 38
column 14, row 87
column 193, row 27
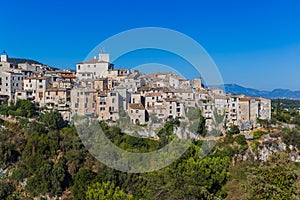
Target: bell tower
column 4, row 57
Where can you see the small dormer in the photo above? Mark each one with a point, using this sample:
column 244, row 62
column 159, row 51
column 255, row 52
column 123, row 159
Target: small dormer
column 4, row 57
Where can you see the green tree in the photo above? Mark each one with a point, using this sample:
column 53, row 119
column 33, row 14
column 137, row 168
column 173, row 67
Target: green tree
column 48, row 179
column 6, row 188
column 53, row 120
column 201, row 130
column 278, row 107
column 8, row 154
column 189, row 178
column 24, row 108
column 197, row 122
column 81, row 180
column 106, row 191
column 274, row 180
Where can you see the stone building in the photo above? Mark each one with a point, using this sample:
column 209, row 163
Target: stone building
column 108, row 104
column 137, row 113
column 94, row 69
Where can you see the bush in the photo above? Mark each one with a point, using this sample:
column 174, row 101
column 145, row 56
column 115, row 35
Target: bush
column 234, row 130
column 292, row 138
column 257, row 134
column 53, row 120
column 241, row 140
column 6, row 189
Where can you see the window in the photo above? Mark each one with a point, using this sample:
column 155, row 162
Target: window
column 113, row 100
column 56, row 93
column 76, row 105
column 40, row 86
column 40, row 80
column 78, row 67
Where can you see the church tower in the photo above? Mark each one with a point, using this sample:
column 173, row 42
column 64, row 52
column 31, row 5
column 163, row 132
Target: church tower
column 4, row 57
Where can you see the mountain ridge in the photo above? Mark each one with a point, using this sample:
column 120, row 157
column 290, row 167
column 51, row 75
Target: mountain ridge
column 274, row 94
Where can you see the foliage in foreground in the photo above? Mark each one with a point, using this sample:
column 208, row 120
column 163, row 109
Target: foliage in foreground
column 51, row 159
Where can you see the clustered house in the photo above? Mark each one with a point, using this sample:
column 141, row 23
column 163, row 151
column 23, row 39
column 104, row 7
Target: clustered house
column 98, row 90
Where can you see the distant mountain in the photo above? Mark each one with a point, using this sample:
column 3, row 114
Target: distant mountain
column 277, row 93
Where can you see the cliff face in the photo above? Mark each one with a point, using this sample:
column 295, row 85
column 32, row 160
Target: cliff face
column 271, row 144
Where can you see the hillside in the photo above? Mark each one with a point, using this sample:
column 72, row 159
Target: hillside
column 43, row 158
column 23, row 60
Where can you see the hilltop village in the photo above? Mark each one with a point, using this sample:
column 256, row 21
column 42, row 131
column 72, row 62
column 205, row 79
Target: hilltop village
column 96, row 89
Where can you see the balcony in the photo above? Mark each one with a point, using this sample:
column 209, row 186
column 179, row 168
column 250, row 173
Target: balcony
column 65, row 108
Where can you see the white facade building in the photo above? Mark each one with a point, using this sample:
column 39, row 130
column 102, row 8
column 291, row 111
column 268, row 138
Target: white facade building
column 96, row 68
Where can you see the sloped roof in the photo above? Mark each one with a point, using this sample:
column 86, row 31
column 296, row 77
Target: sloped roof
column 136, row 106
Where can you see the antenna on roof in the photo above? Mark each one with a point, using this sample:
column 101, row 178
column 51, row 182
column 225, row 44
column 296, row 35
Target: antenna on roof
column 102, row 50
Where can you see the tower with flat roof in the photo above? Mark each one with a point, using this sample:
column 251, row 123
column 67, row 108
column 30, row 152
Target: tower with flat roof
column 4, row 57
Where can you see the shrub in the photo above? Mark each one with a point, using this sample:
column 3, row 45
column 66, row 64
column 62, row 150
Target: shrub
column 257, row 134
column 241, row 140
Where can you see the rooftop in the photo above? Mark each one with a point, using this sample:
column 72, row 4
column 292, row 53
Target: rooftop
column 136, row 106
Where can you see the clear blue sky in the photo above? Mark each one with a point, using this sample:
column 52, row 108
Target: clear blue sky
column 254, row 43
